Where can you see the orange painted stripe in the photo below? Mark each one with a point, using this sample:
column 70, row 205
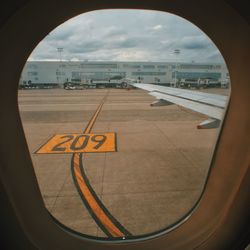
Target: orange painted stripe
column 108, row 224
column 97, row 210
column 93, row 119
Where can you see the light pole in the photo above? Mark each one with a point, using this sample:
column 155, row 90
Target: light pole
column 60, row 50
column 176, row 52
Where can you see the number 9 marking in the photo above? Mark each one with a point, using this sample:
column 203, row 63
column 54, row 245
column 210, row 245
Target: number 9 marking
column 100, row 141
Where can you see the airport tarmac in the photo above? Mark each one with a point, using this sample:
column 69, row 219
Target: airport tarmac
column 153, row 179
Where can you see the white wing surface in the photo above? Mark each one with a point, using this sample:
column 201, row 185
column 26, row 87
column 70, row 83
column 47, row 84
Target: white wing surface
column 211, row 105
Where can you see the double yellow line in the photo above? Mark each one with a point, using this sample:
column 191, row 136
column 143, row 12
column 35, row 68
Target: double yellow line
column 109, row 225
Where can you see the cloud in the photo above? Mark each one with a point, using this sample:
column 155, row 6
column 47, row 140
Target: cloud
column 129, row 35
column 157, row 27
column 127, row 43
column 114, row 32
column 194, row 42
column 74, row 59
column 60, row 35
column 85, row 47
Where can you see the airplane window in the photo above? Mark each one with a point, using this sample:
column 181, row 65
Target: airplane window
column 121, row 110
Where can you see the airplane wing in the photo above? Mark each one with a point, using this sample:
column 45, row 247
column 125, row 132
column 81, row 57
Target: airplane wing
column 208, row 104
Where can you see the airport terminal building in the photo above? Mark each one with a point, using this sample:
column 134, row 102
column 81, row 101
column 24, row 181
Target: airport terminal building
column 58, row 73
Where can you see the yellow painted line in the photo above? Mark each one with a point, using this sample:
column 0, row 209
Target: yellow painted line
column 87, row 142
column 90, row 199
column 79, row 143
column 93, row 119
column 98, row 211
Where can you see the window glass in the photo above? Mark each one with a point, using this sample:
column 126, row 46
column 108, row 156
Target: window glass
column 121, row 111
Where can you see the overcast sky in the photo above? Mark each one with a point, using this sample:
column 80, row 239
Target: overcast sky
column 127, row 35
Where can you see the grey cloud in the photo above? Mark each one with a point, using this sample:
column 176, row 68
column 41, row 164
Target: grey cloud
column 60, row 35
column 196, row 45
column 113, row 32
column 121, row 44
column 194, row 42
column 215, row 56
column 119, row 34
column 85, row 47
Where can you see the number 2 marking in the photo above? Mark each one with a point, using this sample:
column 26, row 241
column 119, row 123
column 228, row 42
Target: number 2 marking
column 57, row 148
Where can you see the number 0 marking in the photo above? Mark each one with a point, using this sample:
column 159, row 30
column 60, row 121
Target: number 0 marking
column 76, row 143
column 83, row 145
